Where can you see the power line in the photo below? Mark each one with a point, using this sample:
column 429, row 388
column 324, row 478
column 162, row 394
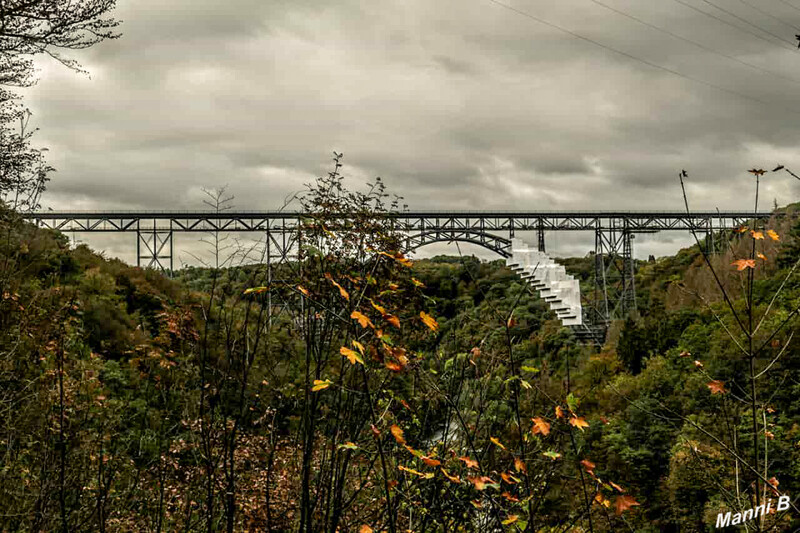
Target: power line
column 695, row 43
column 728, row 23
column 790, row 5
column 734, row 15
column 770, row 15
column 635, row 58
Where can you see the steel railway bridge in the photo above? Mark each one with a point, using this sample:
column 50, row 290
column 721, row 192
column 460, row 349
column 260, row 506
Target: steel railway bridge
column 614, row 292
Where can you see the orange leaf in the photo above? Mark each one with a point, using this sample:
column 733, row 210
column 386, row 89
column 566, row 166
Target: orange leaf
column 757, row 235
column 741, row 264
column 431, row 462
column 540, row 426
column 480, row 482
column 698, row 364
column 397, row 433
column 717, row 387
column 588, row 466
column 428, row 320
column 623, row 503
column 303, row 290
column 519, row 465
column 601, row 500
column 377, row 307
column 471, row 463
column 508, row 478
column 319, row 385
column 342, row 292
column 773, row 235
column 507, row 495
column 365, row 529
column 578, row 422
column 362, row 319
column 393, row 320
column 770, row 435
column 761, row 256
column 616, row 486
column 497, row 443
column 741, row 229
column 559, row 412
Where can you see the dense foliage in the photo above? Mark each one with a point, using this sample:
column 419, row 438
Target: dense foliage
column 436, row 396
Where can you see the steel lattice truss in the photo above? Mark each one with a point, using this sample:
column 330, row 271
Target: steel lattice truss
column 614, row 289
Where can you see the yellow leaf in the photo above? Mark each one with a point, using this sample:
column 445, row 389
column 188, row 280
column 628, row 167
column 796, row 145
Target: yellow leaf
column 351, row 355
column 429, row 321
column 415, row 472
column 757, row 235
column 510, row 520
column 359, row 347
column 417, row 282
column 761, row 256
column 773, row 235
column 578, row 422
column 256, row 290
column 362, row 319
column 320, row 384
column 497, row 443
column 453, row 479
column 342, row 292
column 377, row 307
column 559, row 412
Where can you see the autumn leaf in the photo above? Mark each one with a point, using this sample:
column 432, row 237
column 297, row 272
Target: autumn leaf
column 511, row 519
column 377, row 307
column 761, row 256
column 365, row 529
column 342, row 292
column 362, row 319
column 393, row 320
column 623, row 503
column 519, row 465
column 428, row 320
column 256, row 290
column 559, row 412
column 481, row 482
column 741, row 229
column 415, row 472
column 578, row 422
column 476, row 504
column 508, row 496
column 320, row 384
column 431, row 461
column 475, row 352
column 358, row 346
column 616, row 486
column 540, row 426
column 601, row 500
column 717, row 387
column 770, row 435
column 348, row 446
column 497, row 443
column 588, row 466
column 452, row 479
column 550, row 454
column 508, row 478
column 417, row 283
column 351, row 355
column 741, row 264
column 397, row 433
column 471, row 463
column 685, row 354
column 698, row 364
column 773, row 235
column 757, row 235
column 394, row 367
column 303, row 290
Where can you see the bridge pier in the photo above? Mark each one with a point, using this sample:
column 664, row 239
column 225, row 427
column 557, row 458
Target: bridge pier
column 615, row 288
column 154, row 249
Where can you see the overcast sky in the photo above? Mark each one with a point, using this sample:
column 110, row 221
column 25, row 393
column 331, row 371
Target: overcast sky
column 456, row 104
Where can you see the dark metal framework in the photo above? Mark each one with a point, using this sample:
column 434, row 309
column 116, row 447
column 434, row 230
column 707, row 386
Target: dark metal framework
column 614, row 288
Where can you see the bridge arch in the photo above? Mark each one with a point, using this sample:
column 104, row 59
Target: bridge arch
column 494, row 243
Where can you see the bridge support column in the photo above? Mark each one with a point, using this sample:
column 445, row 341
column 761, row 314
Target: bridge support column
column 154, row 249
column 540, row 237
column 615, row 288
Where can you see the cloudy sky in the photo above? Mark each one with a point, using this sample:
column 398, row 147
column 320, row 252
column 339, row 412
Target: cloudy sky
column 456, row 104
